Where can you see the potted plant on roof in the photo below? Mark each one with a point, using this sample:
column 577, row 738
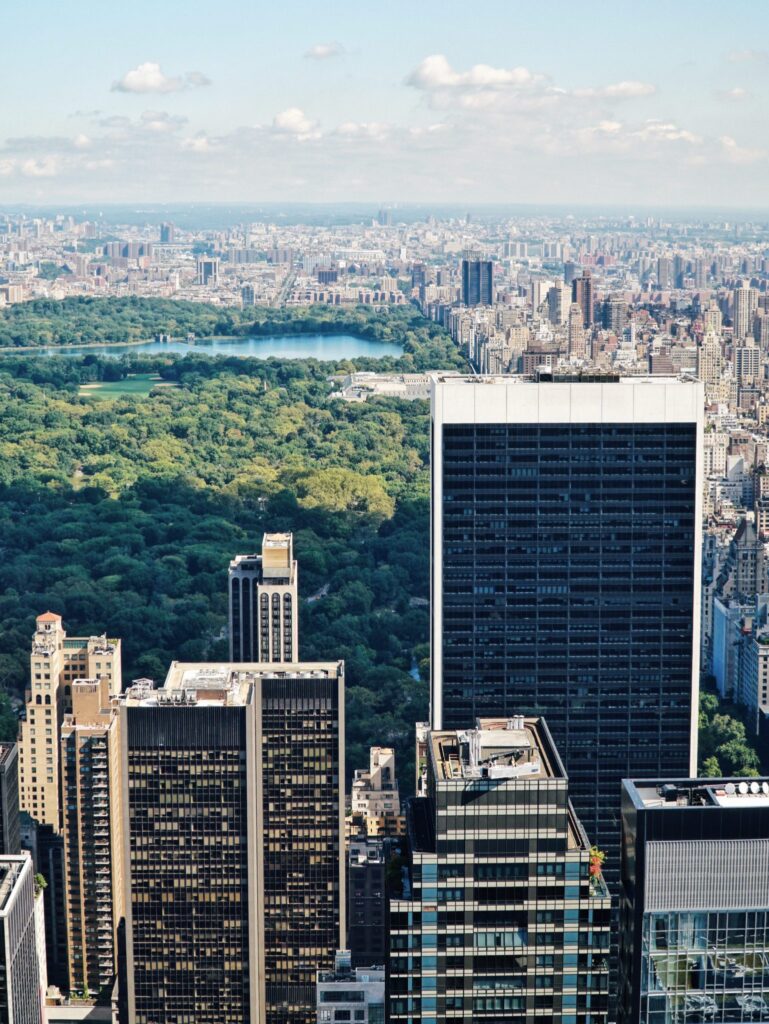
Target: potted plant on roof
column 597, row 857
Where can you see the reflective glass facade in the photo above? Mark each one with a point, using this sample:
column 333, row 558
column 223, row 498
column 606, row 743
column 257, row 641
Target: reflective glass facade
column 705, row 966
column 567, row 590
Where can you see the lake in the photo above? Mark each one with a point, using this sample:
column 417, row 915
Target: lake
column 282, row 346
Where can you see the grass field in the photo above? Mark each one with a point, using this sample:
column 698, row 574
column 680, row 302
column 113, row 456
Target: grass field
column 139, row 384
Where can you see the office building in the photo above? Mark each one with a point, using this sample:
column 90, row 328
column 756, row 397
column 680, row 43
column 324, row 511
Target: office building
column 747, row 363
column 248, row 295
column 582, row 294
column 694, row 901
column 745, row 304
column 93, row 839
column 366, row 900
column 477, row 279
column 167, row 233
column 263, row 595
column 10, row 835
column 233, row 841
column 566, row 528
column 558, row 304
column 208, row 271
column 350, row 993
column 375, row 801
column 56, row 661
column 614, row 315
column 505, row 916
column 21, row 998
column 576, row 332
column 664, row 273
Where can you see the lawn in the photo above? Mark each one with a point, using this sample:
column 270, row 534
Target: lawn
column 136, row 384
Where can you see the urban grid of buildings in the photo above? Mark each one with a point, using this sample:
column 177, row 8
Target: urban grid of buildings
column 187, row 851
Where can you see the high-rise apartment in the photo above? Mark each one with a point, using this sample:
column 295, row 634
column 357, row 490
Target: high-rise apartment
column 694, row 911
column 506, row 917
column 21, row 997
column 91, row 783
column 576, row 332
column 234, row 841
column 263, row 593
column 565, row 571
column 56, row 661
column 10, row 836
column 366, row 900
column 477, row 279
column 375, row 802
column 745, row 302
column 582, row 294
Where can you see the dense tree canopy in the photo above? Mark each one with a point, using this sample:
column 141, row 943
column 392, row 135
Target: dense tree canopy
column 122, row 515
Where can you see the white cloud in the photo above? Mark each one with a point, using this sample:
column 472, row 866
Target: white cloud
column 150, row 78
column 294, row 121
column 376, row 130
column 737, row 154
column 618, row 90
column 665, row 131
column 324, row 51
column 161, row 122
column 197, row 144
column 749, row 56
column 81, row 141
column 45, row 167
column 7, row 167
column 435, row 72
column 735, row 94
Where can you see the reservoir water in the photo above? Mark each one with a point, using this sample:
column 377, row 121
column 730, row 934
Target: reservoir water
column 282, row 346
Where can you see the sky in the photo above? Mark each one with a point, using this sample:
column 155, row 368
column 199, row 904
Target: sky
column 644, row 104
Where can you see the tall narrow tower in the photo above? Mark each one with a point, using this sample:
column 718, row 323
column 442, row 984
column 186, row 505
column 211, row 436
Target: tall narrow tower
column 264, row 614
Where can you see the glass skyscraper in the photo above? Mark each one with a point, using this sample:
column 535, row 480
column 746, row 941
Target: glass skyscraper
column 565, row 571
column 501, row 919
column 694, row 940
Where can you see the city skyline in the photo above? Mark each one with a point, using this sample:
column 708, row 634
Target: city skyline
column 299, row 104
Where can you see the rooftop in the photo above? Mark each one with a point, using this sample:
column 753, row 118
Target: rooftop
column 591, row 376
column 220, row 683
column 11, row 869
column 497, row 748
column 736, row 794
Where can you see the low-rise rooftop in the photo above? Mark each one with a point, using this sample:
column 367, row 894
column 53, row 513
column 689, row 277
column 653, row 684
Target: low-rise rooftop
column 736, row 794
column 220, row 683
column 497, row 748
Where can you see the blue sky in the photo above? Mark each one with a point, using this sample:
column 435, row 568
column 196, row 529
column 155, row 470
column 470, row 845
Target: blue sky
column 643, row 103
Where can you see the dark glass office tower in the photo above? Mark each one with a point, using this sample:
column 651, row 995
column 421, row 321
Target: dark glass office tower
column 565, row 534
column 477, row 279
column 694, row 940
column 233, row 823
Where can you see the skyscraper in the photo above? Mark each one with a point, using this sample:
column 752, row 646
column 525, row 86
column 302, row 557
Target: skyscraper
column 167, row 233
column 502, row 920
column 565, row 571
column 56, row 661
column 576, row 332
column 366, row 900
column 694, row 901
column 10, row 838
column 264, row 613
column 93, row 837
column 21, row 998
column 477, row 279
column 745, row 301
column 582, row 294
column 208, row 271
column 233, row 839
